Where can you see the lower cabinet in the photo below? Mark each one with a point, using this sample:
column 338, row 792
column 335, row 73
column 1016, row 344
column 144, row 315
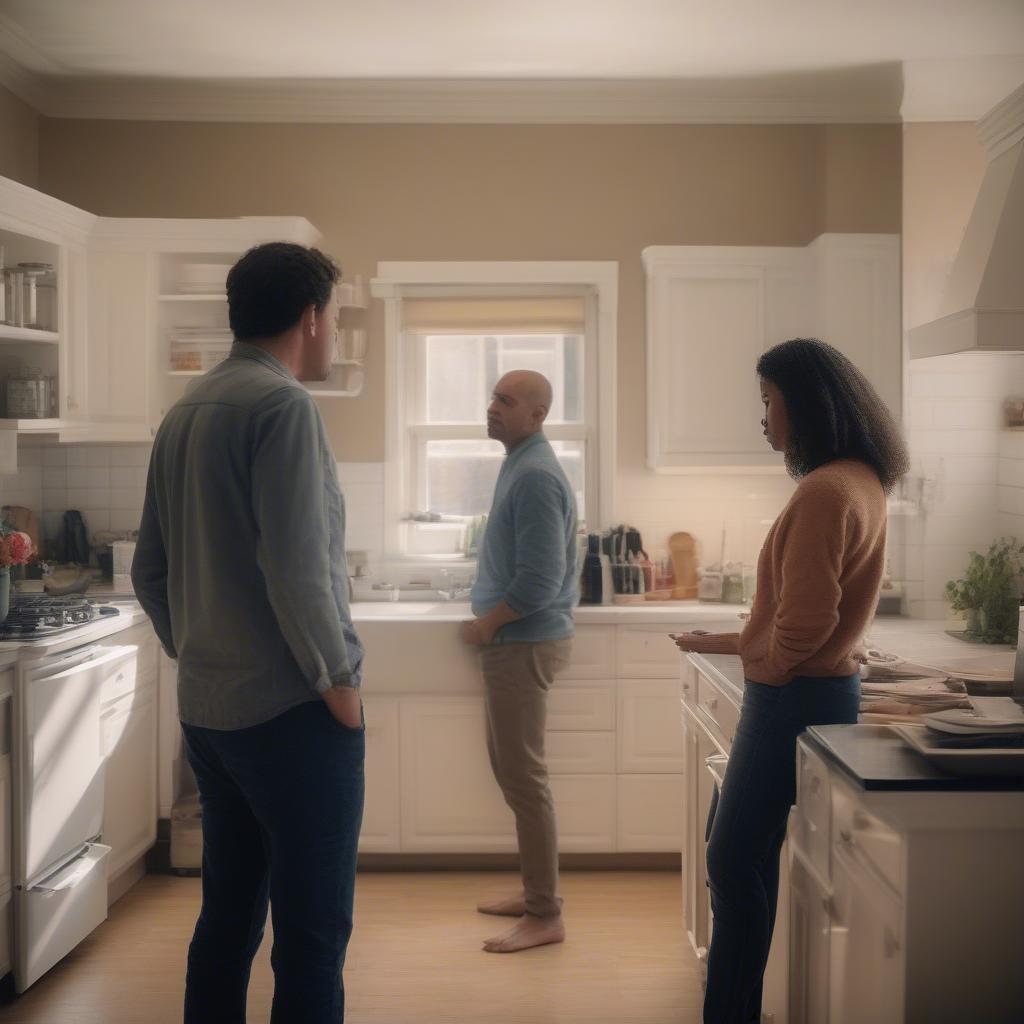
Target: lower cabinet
column 430, row 787
column 129, row 731
column 381, row 829
column 614, row 748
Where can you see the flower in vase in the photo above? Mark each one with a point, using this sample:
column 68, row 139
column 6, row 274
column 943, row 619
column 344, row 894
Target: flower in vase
column 16, row 549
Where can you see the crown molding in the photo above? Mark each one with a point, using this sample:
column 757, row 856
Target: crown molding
column 810, row 99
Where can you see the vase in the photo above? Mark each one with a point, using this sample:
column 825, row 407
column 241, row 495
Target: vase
column 5, row 592
column 973, row 620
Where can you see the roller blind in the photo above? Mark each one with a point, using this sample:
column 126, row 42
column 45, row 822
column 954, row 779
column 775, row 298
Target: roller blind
column 545, row 314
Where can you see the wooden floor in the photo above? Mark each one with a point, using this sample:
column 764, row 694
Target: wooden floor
column 414, row 957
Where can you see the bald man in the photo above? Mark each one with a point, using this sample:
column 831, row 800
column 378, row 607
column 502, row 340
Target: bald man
column 523, row 598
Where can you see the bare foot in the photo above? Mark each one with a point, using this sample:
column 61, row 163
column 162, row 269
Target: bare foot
column 510, row 906
column 528, row 931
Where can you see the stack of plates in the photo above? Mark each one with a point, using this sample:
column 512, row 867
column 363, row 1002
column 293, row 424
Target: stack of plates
column 964, row 743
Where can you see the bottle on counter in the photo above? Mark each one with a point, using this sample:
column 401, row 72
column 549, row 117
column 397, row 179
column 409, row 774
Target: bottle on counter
column 592, row 577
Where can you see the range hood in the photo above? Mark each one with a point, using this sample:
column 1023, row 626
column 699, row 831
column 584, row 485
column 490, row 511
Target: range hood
column 983, row 306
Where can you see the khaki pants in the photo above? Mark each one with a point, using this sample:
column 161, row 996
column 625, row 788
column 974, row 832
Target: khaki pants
column 517, row 678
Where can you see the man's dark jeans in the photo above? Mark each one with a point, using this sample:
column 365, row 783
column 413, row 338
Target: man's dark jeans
column 282, row 806
column 747, row 829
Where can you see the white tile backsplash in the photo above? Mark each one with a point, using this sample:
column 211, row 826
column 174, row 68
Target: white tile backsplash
column 973, row 468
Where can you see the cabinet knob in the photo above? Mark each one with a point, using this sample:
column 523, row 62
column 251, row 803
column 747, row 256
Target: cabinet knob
column 711, row 704
column 846, row 836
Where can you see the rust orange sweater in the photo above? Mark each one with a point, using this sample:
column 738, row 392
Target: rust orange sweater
column 818, row 578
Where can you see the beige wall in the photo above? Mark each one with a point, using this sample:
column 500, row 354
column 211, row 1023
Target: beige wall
column 19, row 139
column 436, row 192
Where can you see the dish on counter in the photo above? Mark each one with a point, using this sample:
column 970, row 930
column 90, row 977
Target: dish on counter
column 987, row 761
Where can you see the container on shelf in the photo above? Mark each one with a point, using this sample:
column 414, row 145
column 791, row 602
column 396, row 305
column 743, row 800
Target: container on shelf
column 31, row 397
column 197, row 356
column 34, row 313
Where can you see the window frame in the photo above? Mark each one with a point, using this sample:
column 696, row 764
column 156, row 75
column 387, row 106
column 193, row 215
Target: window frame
column 396, row 281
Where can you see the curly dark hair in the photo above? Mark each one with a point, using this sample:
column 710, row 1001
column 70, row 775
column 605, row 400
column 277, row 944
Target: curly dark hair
column 834, row 412
column 271, row 285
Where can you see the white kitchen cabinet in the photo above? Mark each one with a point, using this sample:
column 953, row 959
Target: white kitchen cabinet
column 450, row 801
column 645, row 652
column 649, row 736
column 649, row 813
column 381, row 831
column 6, row 811
column 128, row 729
column 866, row 968
column 38, row 228
column 584, row 812
column 430, row 787
column 916, row 890
column 116, row 401
column 723, row 306
column 810, row 938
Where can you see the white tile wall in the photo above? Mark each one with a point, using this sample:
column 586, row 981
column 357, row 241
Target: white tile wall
column 107, row 484
column 745, row 505
column 972, row 470
column 362, row 484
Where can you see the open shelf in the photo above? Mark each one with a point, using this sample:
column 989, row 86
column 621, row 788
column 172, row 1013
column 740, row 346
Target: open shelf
column 47, row 426
column 9, row 333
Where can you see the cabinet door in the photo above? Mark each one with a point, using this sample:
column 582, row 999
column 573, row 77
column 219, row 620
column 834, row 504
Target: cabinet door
column 118, row 353
column 381, row 826
column 810, row 934
column 449, row 799
column 712, row 306
column 650, row 735
column 585, row 812
column 650, row 813
column 866, row 970
column 6, row 793
column 130, row 791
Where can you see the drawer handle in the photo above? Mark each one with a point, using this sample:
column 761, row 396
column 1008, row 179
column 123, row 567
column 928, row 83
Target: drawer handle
column 846, row 836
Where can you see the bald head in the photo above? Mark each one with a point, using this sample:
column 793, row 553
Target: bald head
column 519, row 406
column 529, row 386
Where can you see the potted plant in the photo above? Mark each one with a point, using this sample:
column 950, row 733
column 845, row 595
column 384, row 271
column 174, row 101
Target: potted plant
column 989, row 592
column 15, row 549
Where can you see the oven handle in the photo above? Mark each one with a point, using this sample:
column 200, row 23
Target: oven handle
column 716, row 765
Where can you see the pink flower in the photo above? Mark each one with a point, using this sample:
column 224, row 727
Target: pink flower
column 16, row 549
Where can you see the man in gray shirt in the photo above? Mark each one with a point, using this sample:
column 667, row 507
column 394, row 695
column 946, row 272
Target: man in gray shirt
column 240, row 565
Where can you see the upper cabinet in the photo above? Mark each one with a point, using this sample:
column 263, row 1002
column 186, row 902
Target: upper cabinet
column 43, row 244
column 115, row 316
column 712, row 311
column 158, row 314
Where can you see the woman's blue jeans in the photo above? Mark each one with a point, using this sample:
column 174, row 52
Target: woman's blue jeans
column 747, row 828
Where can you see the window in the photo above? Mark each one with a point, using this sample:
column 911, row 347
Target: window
column 448, row 345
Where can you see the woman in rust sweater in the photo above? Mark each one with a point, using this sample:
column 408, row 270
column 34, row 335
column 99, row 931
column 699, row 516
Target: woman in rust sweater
column 818, row 578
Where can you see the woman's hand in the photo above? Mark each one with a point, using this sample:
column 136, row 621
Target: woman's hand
column 690, row 642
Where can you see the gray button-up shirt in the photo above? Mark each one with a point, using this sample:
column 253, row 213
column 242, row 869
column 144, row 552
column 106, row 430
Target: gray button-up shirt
column 241, row 556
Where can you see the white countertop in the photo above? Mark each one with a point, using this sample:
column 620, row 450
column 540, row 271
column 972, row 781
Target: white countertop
column 677, row 613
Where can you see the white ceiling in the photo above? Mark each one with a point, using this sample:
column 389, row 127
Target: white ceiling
column 732, row 47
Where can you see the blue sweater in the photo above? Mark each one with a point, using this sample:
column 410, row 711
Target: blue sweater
column 528, row 554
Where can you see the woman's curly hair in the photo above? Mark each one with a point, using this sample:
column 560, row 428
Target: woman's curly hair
column 834, row 412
